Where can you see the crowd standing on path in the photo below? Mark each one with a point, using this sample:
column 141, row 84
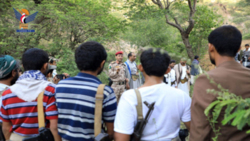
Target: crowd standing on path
column 153, row 94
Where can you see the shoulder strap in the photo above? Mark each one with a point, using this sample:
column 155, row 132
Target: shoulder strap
column 40, row 110
column 98, row 109
column 139, row 105
column 3, row 91
column 128, row 68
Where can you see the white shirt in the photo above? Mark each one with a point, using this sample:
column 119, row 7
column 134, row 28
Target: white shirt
column 2, row 87
column 184, row 72
column 54, row 73
column 172, row 74
column 171, row 107
column 132, row 66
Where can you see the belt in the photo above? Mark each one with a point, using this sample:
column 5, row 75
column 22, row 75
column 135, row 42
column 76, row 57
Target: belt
column 184, row 80
column 172, row 83
column 135, row 77
column 120, row 82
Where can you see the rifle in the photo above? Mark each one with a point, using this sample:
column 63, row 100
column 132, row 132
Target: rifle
column 137, row 134
column 183, row 133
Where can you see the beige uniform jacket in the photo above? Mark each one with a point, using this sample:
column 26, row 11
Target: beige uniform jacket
column 114, row 76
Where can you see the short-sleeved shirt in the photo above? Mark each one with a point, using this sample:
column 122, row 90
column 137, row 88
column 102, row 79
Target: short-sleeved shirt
column 171, row 107
column 2, row 88
column 23, row 114
column 75, row 98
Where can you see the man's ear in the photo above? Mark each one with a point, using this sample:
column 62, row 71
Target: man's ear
column 239, row 49
column 168, row 70
column 44, row 68
column 13, row 73
column 102, row 64
column 140, row 68
column 211, row 47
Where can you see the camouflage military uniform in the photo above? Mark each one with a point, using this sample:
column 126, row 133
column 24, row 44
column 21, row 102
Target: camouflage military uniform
column 118, row 79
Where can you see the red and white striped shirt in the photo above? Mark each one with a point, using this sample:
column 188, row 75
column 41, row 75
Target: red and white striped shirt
column 23, row 114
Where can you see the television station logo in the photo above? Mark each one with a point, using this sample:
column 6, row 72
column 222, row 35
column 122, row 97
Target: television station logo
column 24, row 18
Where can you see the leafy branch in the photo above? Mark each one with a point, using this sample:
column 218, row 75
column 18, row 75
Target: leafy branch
column 237, row 111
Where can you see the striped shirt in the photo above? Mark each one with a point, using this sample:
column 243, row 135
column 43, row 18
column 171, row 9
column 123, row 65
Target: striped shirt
column 75, row 99
column 23, row 114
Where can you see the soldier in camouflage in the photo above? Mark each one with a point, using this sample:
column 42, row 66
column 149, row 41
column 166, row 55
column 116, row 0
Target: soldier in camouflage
column 118, row 75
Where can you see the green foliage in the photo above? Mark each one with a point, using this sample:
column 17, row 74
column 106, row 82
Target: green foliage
column 60, row 27
column 237, row 111
column 205, row 20
column 247, row 24
column 239, row 20
column 148, row 27
column 246, row 36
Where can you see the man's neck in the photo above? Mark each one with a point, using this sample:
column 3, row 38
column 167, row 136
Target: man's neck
column 131, row 60
column 221, row 59
column 152, row 80
column 118, row 62
column 183, row 65
column 90, row 72
column 6, row 82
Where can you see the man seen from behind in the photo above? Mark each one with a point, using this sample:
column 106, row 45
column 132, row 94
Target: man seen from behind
column 19, row 105
column 9, row 73
column 75, row 96
column 171, row 105
column 224, row 43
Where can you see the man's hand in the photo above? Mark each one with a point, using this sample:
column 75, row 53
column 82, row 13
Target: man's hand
column 6, row 130
column 121, row 137
column 55, row 80
column 248, row 58
column 110, row 129
column 53, row 129
column 188, row 72
column 127, row 86
column 117, row 70
column 126, row 80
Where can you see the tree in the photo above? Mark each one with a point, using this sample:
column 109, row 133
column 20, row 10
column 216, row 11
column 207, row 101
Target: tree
column 149, row 28
column 167, row 6
column 60, row 26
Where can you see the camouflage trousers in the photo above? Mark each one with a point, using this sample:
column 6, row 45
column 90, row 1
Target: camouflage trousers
column 118, row 89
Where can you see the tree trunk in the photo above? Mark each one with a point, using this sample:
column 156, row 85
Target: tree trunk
column 187, row 45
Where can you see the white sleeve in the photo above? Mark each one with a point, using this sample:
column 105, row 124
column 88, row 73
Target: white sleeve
column 126, row 114
column 186, row 116
column 172, row 75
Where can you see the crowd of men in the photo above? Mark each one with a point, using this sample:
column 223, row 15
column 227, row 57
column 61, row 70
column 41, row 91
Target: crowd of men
column 125, row 75
column 70, row 107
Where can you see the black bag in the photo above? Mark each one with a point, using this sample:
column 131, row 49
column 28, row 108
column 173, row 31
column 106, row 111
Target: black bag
column 2, row 138
column 44, row 135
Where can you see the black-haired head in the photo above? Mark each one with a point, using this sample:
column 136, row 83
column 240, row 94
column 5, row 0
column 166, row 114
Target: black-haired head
column 34, row 59
column 155, row 62
column 226, row 40
column 89, row 56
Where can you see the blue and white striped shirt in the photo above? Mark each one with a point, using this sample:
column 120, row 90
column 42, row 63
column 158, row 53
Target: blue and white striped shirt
column 75, row 99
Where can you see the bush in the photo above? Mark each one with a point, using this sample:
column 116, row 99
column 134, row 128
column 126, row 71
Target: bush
column 247, row 24
column 246, row 36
